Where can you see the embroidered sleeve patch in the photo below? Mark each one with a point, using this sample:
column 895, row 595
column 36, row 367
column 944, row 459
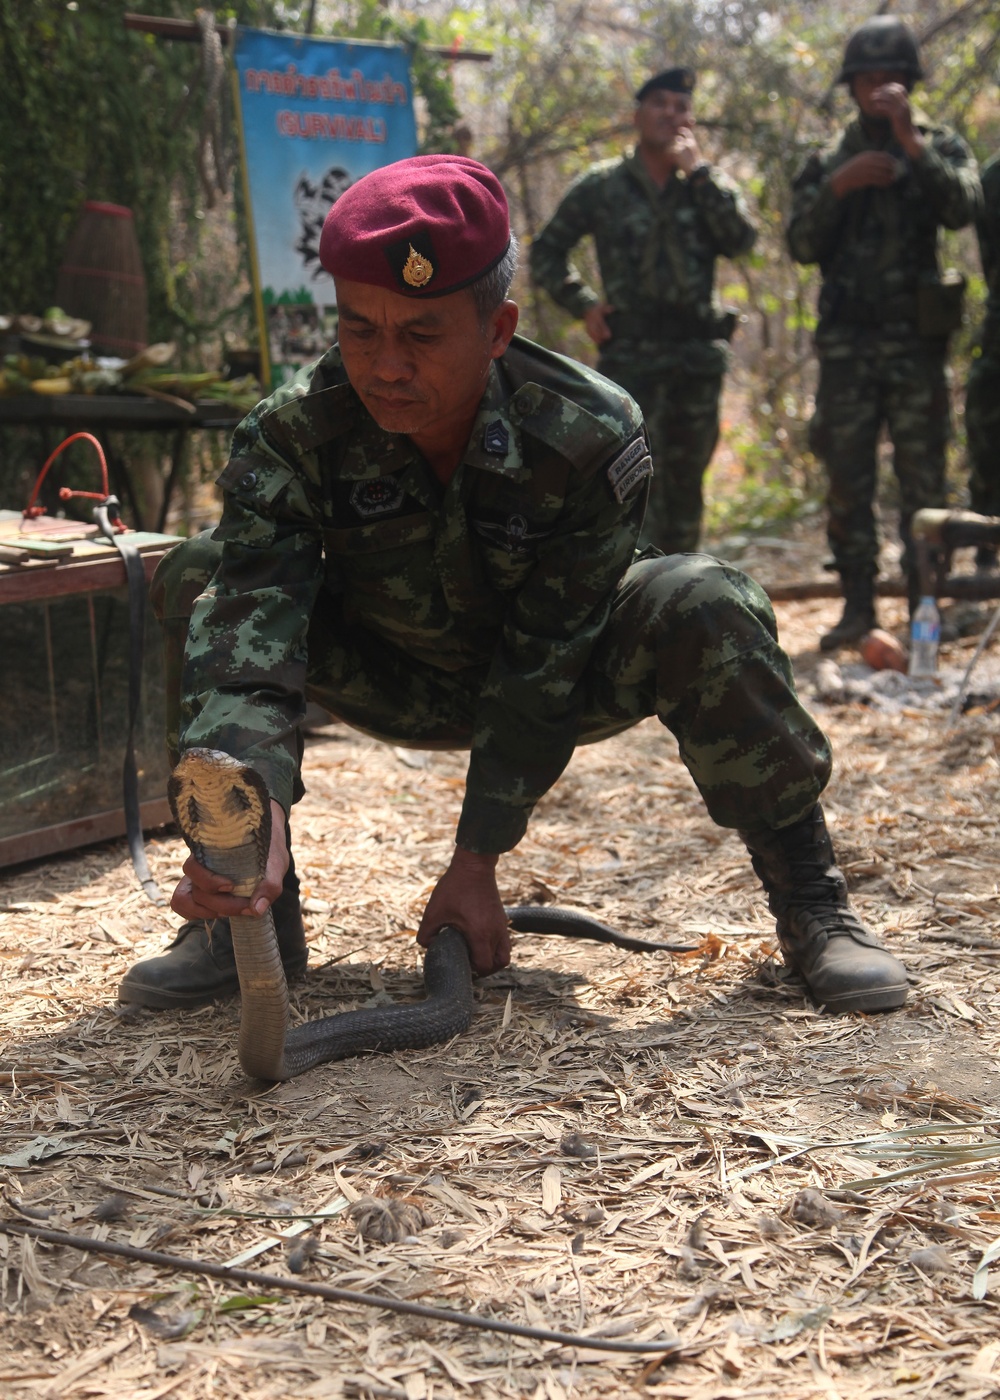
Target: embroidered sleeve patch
column 631, row 465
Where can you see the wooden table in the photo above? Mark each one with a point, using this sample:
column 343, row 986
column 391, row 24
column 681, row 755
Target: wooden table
column 58, row 415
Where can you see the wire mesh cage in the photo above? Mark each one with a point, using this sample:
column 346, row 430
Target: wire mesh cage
column 65, row 720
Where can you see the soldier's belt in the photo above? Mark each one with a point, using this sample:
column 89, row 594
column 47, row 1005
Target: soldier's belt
column 671, row 323
column 934, row 310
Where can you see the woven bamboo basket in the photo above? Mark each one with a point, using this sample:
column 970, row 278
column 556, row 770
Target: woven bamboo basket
column 101, row 279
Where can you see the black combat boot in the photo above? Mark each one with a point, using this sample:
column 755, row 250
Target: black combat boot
column 200, row 965
column 859, row 610
column 845, row 967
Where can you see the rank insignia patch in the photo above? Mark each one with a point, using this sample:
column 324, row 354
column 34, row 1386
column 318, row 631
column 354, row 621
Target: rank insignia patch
column 630, row 466
column 381, row 496
column 496, row 438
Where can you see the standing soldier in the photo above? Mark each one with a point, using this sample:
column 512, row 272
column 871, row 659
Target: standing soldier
column 868, row 210
column 659, row 218
column 982, row 401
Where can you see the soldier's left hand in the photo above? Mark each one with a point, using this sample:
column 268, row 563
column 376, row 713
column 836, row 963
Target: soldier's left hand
column 467, row 898
column 685, row 151
column 892, row 101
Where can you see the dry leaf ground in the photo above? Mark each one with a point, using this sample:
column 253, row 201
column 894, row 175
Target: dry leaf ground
column 606, row 1150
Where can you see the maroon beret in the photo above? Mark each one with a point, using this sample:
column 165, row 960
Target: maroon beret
column 424, row 227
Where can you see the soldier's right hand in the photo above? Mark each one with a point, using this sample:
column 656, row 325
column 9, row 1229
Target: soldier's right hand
column 202, row 895
column 870, row 168
column 595, row 319
column 467, row 898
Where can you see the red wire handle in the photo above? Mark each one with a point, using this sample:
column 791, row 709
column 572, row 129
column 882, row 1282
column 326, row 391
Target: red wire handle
column 32, row 511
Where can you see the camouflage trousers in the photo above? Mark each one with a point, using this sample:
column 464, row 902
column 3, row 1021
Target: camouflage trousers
column 982, row 426
column 689, row 639
column 681, row 409
column 857, row 396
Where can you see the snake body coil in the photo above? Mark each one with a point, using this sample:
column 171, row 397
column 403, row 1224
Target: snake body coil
column 223, row 810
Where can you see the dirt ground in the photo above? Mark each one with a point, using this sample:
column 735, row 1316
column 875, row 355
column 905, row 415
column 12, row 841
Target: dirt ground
column 633, row 1146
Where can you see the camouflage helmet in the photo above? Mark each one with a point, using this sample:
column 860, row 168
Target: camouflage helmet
column 882, row 42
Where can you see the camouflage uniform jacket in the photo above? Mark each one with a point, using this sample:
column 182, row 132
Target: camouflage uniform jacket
column 656, row 249
column 988, row 229
column 509, row 570
column 875, row 246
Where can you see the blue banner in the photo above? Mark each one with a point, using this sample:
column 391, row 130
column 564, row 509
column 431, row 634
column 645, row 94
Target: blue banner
column 315, row 115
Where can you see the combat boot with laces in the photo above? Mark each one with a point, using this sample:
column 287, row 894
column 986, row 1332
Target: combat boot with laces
column 844, row 965
column 858, row 616
column 200, row 964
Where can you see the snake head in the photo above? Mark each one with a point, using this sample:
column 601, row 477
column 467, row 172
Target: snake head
column 219, row 802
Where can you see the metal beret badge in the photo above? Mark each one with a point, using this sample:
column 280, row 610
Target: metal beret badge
column 417, row 271
column 412, row 260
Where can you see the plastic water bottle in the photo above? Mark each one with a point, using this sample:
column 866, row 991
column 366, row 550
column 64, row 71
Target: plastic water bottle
column 925, row 634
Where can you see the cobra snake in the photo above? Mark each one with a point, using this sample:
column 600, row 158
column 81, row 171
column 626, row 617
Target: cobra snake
column 224, row 813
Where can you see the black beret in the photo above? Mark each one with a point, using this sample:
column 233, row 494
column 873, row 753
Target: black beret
column 671, row 80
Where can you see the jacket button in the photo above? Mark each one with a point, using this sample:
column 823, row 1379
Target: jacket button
column 248, row 479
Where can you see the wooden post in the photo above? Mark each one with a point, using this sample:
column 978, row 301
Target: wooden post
column 188, row 32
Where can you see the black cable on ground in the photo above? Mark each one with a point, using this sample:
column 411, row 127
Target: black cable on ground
column 666, row 1347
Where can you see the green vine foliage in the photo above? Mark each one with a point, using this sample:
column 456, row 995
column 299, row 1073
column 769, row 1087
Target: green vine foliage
column 91, row 110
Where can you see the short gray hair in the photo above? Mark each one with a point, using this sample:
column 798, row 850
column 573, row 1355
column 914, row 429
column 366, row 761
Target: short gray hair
column 490, row 291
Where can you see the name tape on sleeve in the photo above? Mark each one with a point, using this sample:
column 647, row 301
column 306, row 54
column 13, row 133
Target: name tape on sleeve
column 631, row 465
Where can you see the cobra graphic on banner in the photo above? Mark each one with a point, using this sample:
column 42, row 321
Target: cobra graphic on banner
column 315, row 115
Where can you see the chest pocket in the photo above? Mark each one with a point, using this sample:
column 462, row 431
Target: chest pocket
column 508, row 548
column 632, row 231
column 508, row 542
column 383, row 569
column 364, row 545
